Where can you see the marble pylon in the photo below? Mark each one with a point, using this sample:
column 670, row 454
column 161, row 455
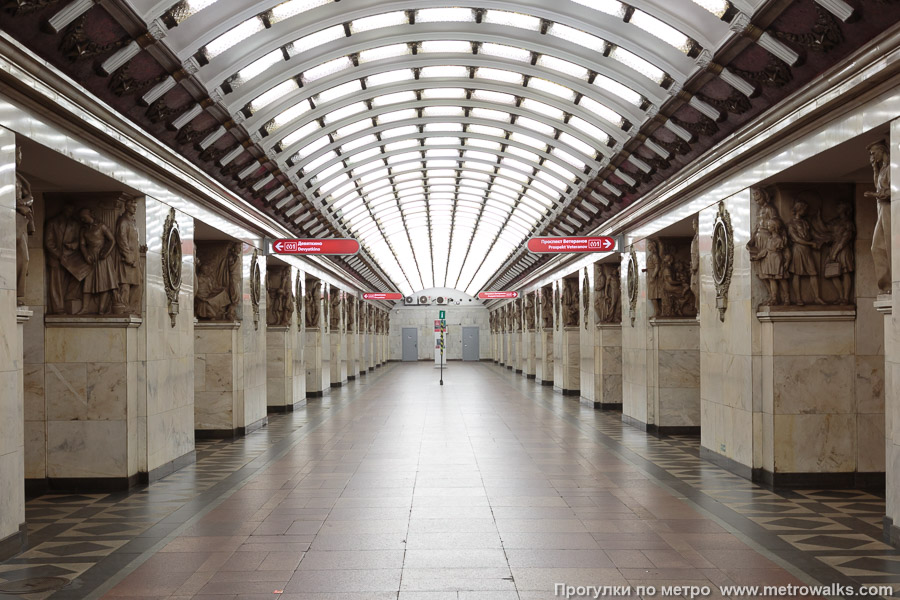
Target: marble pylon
column 230, row 358
column 892, row 354
column 567, row 366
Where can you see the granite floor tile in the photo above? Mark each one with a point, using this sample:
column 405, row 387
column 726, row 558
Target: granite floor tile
column 488, row 488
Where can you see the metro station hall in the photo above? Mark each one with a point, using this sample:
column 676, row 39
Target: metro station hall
column 427, row 300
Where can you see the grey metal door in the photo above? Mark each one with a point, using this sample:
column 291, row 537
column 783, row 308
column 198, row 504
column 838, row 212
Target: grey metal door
column 410, row 344
column 471, row 350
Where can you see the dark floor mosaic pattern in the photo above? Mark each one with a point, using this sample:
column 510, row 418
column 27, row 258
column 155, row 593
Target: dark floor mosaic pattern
column 840, row 529
column 70, row 534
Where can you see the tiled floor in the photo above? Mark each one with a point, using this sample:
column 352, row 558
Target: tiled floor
column 488, row 487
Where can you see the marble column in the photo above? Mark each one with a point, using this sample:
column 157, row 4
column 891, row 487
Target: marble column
column 892, row 351
column 317, row 354
column 230, row 363
column 636, row 378
column 338, row 344
column 281, row 390
column 13, row 531
column 516, row 347
column 547, row 356
column 353, row 342
column 568, row 370
column 587, row 371
column 528, row 351
column 792, row 395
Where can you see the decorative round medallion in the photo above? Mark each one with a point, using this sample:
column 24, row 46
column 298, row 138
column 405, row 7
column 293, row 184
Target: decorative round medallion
column 171, row 263
column 298, row 299
column 255, row 287
column 722, row 257
column 632, row 283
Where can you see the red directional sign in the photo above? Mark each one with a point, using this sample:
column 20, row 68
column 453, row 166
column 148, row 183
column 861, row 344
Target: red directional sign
column 565, row 245
column 497, row 295
column 316, row 246
column 382, row 296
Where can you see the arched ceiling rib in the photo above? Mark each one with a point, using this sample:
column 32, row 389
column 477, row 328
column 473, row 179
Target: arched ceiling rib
column 441, row 136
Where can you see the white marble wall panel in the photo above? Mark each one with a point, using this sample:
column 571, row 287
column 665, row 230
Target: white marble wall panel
column 636, row 384
column 12, row 441
column 569, row 367
column 338, row 348
column 587, row 364
column 892, row 347
column 279, row 366
column 318, row 367
column 352, row 354
column 676, row 360
column 528, row 353
column 33, row 352
column 547, row 356
column 730, row 361
column 168, row 351
column 217, row 388
column 608, row 365
column 252, row 360
column 91, row 385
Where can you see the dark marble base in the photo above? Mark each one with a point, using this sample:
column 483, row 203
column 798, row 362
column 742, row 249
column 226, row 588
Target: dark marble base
column 82, row 485
column 287, row 408
column 609, row 406
column 229, row 434
column 828, row 481
column 337, row 384
column 168, row 468
column 530, row 376
column 631, row 421
column 318, row 394
column 797, row 481
column 351, row 377
column 547, row 382
column 14, row 544
column 891, row 532
column 518, row 371
column 570, row 392
column 729, row 464
column 674, row 430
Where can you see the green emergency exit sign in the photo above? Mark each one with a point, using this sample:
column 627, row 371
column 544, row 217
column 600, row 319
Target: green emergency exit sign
column 442, row 314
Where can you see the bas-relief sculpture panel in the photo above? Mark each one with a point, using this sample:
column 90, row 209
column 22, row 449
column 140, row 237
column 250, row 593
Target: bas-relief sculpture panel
column 280, row 296
column 808, row 359
column 93, row 254
column 313, row 303
column 669, row 277
column 802, row 244
column 217, row 295
column 607, row 293
column 569, row 299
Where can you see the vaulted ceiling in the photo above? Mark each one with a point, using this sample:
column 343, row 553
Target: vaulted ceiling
column 443, row 135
